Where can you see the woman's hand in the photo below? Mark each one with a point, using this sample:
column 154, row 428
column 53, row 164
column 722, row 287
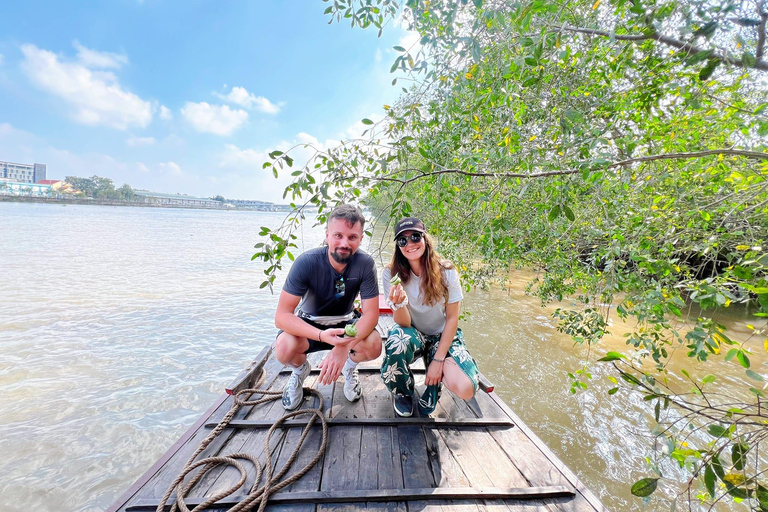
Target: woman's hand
column 434, row 373
column 397, row 294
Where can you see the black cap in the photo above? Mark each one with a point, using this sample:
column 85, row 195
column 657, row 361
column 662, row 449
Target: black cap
column 409, row 224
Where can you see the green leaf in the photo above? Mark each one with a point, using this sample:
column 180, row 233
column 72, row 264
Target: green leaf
column 718, row 431
column 707, row 70
column 612, row 356
column 709, row 480
column 644, row 487
column 367, row 121
column 569, row 213
column 762, row 497
column 707, row 30
column 743, row 359
column 739, row 455
column 754, row 375
column 553, row 213
column 398, row 48
column 748, row 59
column 708, row 378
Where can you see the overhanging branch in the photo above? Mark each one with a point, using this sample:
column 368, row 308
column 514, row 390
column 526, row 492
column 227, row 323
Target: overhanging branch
column 689, row 48
column 667, row 156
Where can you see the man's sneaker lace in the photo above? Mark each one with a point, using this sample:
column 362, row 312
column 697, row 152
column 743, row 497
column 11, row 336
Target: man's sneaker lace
column 403, row 404
column 352, row 388
column 293, row 395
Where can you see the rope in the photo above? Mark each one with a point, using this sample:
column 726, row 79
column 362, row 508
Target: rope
column 273, row 482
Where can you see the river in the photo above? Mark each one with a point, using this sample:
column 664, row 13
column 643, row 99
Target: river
column 119, row 326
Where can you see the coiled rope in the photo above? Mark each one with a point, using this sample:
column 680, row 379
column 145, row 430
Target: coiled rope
column 272, row 483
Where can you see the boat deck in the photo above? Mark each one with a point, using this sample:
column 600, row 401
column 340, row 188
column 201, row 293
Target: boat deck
column 470, row 455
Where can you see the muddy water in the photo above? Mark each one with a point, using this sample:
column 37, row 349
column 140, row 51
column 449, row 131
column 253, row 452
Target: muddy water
column 119, row 326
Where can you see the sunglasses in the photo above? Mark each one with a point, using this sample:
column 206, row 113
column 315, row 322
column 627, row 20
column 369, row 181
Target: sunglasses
column 403, row 240
column 340, row 288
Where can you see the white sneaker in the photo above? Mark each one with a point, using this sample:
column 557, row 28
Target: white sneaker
column 293, row 395
column 352, row 388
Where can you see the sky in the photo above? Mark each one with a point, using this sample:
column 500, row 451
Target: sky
column 184, row 96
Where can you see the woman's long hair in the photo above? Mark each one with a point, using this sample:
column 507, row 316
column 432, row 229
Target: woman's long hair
column 434, row 289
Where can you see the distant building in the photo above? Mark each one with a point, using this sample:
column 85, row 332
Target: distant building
column 251, row 204
column 175, row 199
column 16, row 188
column 39, row 172
column 22, row 173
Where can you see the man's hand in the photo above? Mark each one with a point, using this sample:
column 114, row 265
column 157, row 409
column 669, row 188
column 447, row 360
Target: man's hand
column 330, row 367
column 335, row 337
column 434, row 373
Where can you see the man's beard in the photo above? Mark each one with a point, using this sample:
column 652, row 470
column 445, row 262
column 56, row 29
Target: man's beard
column 342, row 259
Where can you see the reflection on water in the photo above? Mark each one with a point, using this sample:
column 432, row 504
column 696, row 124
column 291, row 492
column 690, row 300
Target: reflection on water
column 119, row 326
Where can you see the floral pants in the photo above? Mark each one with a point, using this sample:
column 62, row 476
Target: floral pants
column 404, row 345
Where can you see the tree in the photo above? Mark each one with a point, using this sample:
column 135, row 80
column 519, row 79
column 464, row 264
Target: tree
column 618, row 147
column 126, row 192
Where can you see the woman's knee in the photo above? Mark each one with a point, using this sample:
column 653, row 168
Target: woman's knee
column 458, row 382
column 464, row 389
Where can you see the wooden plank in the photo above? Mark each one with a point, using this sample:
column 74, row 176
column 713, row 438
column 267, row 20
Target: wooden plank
column 155, row 482
column 342, row 459
column 380, row 465
column 384, row 495
column 446, row 469
column 584, row 499
column 372, row 422
column 481, row 458
column 169, row 473
column 248, row 377
column 417, row 471
column 179, row 445
column 223, row 477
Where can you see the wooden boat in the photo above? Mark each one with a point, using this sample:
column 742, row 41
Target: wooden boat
column 469, row 455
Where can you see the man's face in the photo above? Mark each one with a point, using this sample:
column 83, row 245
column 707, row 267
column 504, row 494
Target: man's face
column 343, row 239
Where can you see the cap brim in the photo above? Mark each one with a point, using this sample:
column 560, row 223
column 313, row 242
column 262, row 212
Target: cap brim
column 408, row 229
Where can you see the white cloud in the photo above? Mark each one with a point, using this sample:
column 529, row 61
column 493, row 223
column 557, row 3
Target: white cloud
column 216, row 119
column 240, row 96
column 171, row 168
column 139, row 141
column 96, row 98
column 6, row 129
column 94, row 59
column 165, row 113
column 236, row 157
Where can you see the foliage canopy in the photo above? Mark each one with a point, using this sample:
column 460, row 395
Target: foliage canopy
column 617, row 147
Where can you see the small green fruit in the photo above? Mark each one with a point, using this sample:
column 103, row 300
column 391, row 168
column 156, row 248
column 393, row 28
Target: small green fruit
column 350, row 330
column 395, row 280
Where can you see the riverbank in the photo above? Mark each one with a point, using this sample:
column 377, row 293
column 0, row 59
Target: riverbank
column 140, row 204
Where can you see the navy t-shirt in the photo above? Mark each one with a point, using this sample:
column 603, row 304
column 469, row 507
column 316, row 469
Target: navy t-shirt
column 319, row 285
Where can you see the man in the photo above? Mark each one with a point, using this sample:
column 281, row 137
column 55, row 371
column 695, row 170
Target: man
column 323, row 283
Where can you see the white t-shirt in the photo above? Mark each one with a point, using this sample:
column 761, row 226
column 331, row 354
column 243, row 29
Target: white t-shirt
column 427, row 319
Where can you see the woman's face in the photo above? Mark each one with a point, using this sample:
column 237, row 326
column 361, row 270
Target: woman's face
column 413, row 250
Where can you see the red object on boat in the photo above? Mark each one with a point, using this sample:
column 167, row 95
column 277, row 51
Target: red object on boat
column 383, row 307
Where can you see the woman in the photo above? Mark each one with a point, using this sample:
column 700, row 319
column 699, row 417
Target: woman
column 426, row 311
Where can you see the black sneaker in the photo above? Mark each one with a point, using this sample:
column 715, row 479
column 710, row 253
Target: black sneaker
column 403, row 404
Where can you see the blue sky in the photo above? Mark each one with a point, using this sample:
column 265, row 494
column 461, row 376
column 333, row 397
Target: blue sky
column 183, row 96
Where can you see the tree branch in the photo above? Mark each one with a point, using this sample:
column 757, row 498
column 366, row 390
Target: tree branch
column 667, row 156
column 689, row 48
column 761, row 31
